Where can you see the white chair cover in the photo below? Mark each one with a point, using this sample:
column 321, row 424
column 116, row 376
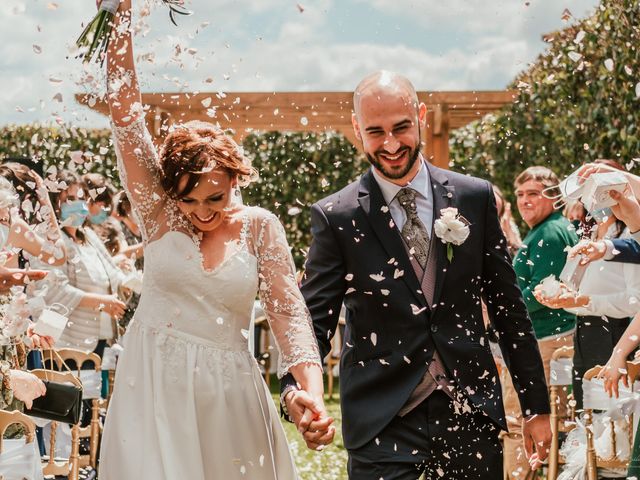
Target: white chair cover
column 63, row 439
column 596, row 398
column 91, row 384
column 561, row 371
column 110, row 357
column 20, row 460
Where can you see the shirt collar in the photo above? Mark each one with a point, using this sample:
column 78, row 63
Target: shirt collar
column 420, row 183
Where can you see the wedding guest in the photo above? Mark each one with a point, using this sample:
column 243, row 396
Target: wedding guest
column 34, row 205
column 626, row 250
column 132, row 245
column 17, row 386
column 608, row 295
column 616, row 369
column 627, row 210
column 508, row 224
column 542, row 254
column 100, row 204
column 87, row 283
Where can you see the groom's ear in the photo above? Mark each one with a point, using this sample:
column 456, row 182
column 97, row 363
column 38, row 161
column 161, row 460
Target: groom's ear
column 356, row 127
column 422, row 115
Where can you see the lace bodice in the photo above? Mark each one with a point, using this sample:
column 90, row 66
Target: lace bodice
column 180, row 296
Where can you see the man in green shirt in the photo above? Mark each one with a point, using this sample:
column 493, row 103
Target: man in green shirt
column 543, row 253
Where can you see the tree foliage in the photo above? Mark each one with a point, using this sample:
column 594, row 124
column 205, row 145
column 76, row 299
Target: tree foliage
column 295, row 169
column 578, row 102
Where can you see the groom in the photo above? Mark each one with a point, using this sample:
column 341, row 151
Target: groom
column 418, row 385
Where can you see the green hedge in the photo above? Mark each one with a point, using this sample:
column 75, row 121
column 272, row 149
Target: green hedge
column 296, row 169
column 578, row 102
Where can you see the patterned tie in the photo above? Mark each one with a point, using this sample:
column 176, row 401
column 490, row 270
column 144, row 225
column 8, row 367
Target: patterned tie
column 414, row 232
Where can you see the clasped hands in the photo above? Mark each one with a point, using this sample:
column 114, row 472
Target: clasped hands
column 311, row 419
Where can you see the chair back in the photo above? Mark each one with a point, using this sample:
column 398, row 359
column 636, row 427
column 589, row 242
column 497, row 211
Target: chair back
column 560, row 377
column 16, row 418
column 595, row 398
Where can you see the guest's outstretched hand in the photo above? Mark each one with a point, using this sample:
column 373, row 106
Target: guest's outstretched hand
column 627, row 209
column 613, row 371
column 566, row 298
column 590, row 251
column 12, row 277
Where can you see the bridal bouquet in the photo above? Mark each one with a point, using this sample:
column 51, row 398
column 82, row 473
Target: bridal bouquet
column 95, row 37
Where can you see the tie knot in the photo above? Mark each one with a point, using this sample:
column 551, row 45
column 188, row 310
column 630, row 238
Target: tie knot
column 407, row 199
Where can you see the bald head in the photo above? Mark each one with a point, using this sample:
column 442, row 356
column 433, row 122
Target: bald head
column 384, row 83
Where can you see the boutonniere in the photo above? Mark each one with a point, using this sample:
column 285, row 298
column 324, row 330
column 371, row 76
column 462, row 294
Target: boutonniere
column 452, row 228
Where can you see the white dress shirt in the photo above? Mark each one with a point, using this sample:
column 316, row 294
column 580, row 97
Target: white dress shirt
column 424, row 198
column 613, row 288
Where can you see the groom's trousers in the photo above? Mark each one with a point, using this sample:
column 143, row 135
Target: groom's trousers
column 440, row 438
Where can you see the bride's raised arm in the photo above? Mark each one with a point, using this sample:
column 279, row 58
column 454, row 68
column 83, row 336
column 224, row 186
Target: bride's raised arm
column 138, row 163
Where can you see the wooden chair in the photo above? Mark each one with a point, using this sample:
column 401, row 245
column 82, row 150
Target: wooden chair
column 263, row 356
column 333, row 358
column 594, row 461
column 16, row 418
column 54, row 466
column 560, row 421
column 93, row 430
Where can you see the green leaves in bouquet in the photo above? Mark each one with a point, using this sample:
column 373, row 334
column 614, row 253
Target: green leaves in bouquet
column 94, row 39
column 176, row 8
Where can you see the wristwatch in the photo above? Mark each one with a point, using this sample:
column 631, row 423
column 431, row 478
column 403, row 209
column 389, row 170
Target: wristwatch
column 283, row 396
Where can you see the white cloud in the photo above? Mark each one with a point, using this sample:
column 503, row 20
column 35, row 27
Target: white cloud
column 261, row 45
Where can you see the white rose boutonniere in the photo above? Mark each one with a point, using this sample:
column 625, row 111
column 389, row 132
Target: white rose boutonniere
column 452, row 228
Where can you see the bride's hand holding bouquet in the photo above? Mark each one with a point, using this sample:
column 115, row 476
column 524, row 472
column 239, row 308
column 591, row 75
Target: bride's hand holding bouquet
column 94, row 39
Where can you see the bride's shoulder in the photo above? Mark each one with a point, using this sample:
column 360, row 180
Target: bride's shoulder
column 259, row 215
column 262, row 224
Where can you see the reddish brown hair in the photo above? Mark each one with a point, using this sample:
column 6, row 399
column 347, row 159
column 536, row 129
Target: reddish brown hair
column 196, row 148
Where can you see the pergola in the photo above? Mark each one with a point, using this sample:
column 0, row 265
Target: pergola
column 245, row 112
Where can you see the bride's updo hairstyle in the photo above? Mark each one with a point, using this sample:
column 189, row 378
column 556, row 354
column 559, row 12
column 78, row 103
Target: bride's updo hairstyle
column 197, row 148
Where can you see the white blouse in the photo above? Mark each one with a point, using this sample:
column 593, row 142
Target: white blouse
column 89, row 269
column 613, row 287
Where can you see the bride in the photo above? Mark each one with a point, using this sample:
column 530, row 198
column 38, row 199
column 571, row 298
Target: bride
column 189, row 400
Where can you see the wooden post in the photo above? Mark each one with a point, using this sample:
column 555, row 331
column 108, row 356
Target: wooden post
column 554, row 459
column 427, row 138
column 441, row 136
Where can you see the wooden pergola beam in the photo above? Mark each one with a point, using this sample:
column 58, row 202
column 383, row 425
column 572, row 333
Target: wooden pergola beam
column 245, row 112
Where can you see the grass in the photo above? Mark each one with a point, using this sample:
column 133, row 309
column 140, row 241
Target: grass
column 330, row 463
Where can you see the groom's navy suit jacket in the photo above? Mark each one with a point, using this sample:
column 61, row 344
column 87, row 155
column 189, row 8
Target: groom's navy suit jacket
column 357, row 257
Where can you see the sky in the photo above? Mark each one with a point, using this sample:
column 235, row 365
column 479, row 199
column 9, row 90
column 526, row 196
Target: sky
column 274, row 45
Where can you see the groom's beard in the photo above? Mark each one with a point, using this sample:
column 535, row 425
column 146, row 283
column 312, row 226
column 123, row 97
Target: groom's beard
column 413, row 156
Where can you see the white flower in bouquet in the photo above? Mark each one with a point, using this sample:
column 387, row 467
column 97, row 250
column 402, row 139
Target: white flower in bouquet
column 94, row 39
column 451, row 228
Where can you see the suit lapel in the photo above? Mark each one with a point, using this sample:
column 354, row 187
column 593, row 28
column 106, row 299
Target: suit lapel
column 443, row 197
column 372, row 202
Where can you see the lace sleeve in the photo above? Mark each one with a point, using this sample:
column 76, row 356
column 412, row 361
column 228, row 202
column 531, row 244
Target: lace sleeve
column 140, row 174
column 281, row 299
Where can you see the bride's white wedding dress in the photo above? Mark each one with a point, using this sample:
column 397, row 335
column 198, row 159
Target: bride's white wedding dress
column 189, row 401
